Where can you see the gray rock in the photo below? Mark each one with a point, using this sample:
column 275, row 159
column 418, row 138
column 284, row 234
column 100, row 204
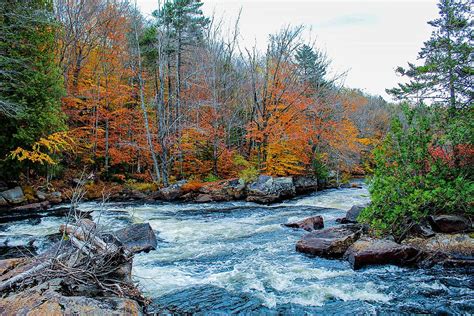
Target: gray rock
column 172, row 192
column 380, row 251
column 137, row 238
column 449, row 249
column 268, row 189
column 55, row 197
column 304, row 184
column 308, row 224
column 203, row 198
column 235, row 188
column 353, row 213
column 449, row 223
column 14, row 196
column 330, row 242
column 40, row 195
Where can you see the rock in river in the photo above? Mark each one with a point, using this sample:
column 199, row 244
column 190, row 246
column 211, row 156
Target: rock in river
column 380, row 251
column 137, row 237
column 330, row 242
column 309, row 224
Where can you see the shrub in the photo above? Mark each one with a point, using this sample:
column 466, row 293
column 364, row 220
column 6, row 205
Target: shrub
column 211, row 178
column 409, row 182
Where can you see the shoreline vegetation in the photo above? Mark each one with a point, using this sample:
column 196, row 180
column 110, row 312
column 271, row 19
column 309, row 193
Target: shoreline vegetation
column 98, row 102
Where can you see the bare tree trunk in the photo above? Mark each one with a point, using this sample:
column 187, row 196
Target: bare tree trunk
column 157, row 177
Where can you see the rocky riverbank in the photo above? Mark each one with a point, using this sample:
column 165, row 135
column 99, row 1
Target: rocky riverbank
column 446, row 240
column 86, row 272
column 22, row 203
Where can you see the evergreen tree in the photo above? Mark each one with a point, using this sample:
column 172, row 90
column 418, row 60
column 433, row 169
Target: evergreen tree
column 446, row 76
column 313, row 64
column 30, row 79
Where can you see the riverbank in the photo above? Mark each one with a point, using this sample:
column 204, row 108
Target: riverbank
column 23, row 200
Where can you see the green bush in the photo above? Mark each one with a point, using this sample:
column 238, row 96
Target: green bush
column 211, row 178
column 411, row 180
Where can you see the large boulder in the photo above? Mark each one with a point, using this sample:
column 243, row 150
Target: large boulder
column 446, row 249
column 172, row 192
column 309, row 224
column 14, row 196
column 47, row 299
column 137, row 238
column 380, row 251
column 330, row 242
column 304, row 184
column 449, row 223
column 268, row 189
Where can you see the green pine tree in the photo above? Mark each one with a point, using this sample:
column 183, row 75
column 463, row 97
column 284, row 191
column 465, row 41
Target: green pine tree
column 30, row 79
column 446, row 73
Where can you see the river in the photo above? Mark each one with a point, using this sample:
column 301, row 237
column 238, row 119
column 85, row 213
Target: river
column 236, row 257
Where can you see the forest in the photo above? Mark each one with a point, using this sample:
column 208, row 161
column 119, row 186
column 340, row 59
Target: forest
column 95, row 85
column 167, row 137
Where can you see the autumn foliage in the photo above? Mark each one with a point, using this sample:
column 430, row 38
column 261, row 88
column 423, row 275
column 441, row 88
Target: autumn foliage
column 173, row 98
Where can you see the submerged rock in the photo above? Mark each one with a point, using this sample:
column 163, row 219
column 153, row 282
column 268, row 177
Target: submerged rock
column 14, row 196
column 330, row 242
column 449, row 223
column 268, row 189
column 380, row 251
column 309, row 224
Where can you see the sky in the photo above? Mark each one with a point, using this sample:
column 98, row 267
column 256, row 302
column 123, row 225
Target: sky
column 368, row 38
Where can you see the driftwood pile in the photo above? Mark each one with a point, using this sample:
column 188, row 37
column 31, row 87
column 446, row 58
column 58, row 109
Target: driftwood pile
column 86, row 261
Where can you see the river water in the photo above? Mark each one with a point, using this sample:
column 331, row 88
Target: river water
column 236, row 257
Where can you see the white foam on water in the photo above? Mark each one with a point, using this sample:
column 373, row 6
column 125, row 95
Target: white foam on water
column 47, row 225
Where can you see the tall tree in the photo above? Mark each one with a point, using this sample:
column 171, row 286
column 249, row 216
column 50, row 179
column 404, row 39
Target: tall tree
column 30, row 78
column 446, row 75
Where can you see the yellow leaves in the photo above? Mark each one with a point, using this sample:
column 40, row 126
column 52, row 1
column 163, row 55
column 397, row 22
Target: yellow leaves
column 365, row 141
column 283, row 159
column 43, row 149
column 21, row 154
